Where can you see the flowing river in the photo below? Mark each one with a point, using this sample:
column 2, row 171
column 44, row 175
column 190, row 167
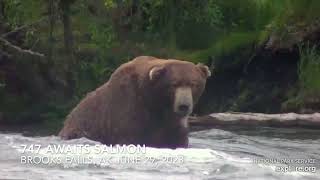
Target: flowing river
column 261, row 153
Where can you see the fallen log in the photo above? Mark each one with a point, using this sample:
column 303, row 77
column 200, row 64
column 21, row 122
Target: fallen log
column 256, row 119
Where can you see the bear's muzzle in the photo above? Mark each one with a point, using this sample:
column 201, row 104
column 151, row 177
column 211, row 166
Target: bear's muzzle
column 183, row 102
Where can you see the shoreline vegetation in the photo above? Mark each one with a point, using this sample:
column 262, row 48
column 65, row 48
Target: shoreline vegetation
column 265, row 54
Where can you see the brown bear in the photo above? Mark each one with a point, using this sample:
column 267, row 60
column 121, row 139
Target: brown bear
column 146, row 101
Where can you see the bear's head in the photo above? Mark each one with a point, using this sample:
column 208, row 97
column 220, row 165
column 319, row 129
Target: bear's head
column 178, row 85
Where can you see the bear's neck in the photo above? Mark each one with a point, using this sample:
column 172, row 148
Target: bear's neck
column 167, row 132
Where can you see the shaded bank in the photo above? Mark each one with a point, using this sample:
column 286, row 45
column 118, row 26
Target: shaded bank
column 261, row 84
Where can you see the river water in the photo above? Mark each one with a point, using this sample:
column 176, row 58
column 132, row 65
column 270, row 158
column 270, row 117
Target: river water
column 261, row 153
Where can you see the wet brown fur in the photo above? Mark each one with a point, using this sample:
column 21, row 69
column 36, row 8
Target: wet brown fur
column 132, row 109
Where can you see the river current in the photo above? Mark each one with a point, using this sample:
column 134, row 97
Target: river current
column 261, row 153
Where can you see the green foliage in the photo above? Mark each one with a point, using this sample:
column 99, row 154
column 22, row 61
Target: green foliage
column 249, row 15
column 226, row 45
column 110, row 3
column 292, row 14
column 108, row 33
column 309, row 70
column 308, row 86
column 165, row 19
column 21, row 12
column 298, row 11
column 102, row 36
column 55, row 114
column 159, row 12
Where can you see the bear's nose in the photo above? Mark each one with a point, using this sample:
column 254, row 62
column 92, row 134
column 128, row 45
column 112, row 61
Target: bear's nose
column 184, row 109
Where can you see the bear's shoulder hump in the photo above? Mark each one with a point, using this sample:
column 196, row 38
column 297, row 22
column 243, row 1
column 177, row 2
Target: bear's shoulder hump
column 144, row 58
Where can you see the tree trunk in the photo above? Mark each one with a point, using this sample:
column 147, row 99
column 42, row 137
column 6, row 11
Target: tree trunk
column 65, row 7
column 2, row 13
column 2, row 18
column 172, row 25
column 256, row 119
column 51, row 12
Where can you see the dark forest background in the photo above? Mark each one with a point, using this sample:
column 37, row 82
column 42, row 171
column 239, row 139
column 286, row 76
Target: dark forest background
column 53, row 52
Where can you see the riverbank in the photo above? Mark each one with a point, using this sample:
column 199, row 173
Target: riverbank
column 254, row 120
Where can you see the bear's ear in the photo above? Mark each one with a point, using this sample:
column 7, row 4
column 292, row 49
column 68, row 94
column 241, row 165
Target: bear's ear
column 204, row 69
column 156, row 72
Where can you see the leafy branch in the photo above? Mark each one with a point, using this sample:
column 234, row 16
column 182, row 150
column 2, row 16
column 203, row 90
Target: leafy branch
column 19, row 49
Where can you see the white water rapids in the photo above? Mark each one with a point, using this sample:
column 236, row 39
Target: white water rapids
column 264, row 153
